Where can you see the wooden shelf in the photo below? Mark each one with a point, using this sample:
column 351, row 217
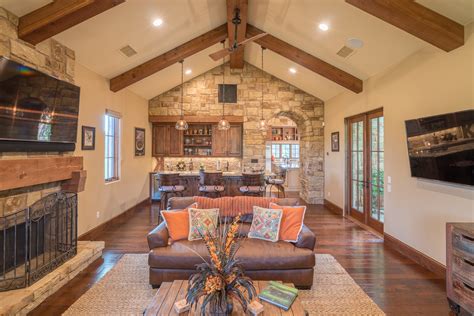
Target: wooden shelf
column 197, row 145
column 196, row 135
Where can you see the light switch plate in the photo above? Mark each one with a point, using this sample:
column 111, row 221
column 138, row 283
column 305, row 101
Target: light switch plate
column 389, row 179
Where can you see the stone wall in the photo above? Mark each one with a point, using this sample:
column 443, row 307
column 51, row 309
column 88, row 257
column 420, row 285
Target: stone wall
column 49, row 57
column 280, row 99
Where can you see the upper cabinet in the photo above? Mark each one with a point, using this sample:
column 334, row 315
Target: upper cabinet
column 167, row 141
column 234, row 141
column 200, row 140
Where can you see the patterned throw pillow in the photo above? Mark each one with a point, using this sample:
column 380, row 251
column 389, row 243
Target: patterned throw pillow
column 202, row 221
column 265, row 224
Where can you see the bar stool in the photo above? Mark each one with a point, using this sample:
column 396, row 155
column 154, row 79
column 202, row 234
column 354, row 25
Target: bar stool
column 211, row 183
column 169, row 185
column 253, row 184
column 277, row 181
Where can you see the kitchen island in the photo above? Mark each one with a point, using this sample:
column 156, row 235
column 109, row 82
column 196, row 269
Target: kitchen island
column 190, row 180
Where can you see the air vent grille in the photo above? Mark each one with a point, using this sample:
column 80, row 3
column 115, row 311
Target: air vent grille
column 345, row 51
column 128, row 51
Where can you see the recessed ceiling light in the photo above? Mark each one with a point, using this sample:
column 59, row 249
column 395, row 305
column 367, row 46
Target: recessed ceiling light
column 157, row 22
column 323, row 27
column 188, row 71
column 292, row 70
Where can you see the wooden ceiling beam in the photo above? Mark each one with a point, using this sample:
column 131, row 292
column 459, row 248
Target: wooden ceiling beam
column 237, row 58
column 59, row 16
column 417, row 20
column 167, row 59
column 307, row 60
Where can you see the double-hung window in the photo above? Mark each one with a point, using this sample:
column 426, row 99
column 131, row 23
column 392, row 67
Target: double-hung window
column 112, row 146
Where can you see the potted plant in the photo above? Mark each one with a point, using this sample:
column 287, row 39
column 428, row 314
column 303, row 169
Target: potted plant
column 221, row 282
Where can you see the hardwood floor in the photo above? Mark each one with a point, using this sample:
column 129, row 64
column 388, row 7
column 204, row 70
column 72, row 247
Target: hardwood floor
column 398, row 285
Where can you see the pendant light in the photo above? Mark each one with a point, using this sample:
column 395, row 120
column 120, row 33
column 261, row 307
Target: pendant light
column 181, row 124
column 223, row 124
column 262, row 124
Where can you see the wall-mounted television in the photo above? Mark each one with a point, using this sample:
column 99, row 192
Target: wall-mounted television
column 37, row 112
column 441, row 147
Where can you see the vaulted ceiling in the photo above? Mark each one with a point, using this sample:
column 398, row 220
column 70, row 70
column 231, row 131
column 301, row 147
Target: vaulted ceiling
column 98, row 40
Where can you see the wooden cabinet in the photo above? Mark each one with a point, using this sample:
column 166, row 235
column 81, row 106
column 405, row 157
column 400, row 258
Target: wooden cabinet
column 167, row 141
column 234, row 141
column 219, row 142
column 460, row 267
column 227, row 143
column 176, row 142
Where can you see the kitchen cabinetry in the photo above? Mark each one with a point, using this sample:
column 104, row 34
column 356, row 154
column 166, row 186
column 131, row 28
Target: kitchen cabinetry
column 167, row 141
column 200, row 140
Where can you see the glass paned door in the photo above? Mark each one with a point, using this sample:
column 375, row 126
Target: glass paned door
column 366, row 168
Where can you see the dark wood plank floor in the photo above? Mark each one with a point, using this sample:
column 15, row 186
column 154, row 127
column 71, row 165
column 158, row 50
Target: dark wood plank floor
column 398, row 285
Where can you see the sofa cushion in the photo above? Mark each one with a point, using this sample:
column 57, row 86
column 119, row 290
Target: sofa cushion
column 291, row 221
column 266, row 223
column 202, row 222
column 224, row 204
column 254, row 254
column 244, row 204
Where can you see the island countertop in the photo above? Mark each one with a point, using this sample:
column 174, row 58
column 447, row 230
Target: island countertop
column 190, row 180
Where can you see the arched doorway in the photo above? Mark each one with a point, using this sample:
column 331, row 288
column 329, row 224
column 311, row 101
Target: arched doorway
column 282, row 152
column 311, row 152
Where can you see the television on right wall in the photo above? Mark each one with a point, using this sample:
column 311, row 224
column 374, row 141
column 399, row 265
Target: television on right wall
column 441, row 147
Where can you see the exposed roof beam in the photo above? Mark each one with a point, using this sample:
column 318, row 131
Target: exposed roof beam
column 237, row 58
column 417, row 20
column 58, row 16
column 306, row 60
column 167, row 59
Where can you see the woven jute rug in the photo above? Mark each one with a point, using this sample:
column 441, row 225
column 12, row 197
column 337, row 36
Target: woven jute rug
column 125, row 291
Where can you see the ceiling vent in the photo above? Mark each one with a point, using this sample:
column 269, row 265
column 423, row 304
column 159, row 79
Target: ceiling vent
column 345, row 51
column 128, row 51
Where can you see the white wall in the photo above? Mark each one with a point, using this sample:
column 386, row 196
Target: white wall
column 427, row 83
column 113, row 198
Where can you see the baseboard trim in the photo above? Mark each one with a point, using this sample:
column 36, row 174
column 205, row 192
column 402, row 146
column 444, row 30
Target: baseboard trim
column 365, row 227
column 120, row 218
column 333, row 207
column 411, row 253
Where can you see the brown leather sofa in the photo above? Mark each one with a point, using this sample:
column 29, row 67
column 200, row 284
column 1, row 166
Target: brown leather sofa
column 262, row 260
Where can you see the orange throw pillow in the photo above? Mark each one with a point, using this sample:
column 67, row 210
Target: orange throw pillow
column 177, row 223
column 291, row 221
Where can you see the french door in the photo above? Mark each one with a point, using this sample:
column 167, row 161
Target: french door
column 366, row 168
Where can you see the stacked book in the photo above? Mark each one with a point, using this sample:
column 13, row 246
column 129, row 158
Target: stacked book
column 279, row 294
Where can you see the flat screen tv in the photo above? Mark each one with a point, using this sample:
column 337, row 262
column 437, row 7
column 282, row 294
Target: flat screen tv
column 441, row 147
column 37, row 112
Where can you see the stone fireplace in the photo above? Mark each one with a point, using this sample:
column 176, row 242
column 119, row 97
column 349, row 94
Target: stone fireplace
column 37, row 239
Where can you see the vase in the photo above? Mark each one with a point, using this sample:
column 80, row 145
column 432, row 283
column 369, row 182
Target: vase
column 224, row 309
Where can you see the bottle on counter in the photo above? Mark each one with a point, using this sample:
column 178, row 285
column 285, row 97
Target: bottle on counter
column 191, row 165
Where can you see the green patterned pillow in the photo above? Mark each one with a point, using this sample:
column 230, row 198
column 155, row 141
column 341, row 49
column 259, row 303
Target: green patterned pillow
column 201, row 221
column 265, row 224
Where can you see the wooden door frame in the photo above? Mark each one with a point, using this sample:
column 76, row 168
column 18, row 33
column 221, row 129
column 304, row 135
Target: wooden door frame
column 365, row 218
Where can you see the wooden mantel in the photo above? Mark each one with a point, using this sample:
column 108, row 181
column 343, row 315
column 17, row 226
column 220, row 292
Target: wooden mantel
column 18, row 173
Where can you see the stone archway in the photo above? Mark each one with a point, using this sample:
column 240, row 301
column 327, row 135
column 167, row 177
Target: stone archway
column 311, row 155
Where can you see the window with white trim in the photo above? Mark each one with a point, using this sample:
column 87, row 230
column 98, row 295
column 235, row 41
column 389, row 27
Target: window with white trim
column 112, row 146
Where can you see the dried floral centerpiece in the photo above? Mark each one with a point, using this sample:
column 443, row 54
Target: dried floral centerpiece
column 221, row 281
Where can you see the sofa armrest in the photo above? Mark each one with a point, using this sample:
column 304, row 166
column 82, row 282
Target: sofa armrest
column 158, row 237
column 306, row 239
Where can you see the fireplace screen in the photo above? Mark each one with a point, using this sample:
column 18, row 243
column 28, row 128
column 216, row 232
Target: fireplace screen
column 36, row 240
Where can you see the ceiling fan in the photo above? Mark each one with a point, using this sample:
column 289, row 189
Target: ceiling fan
column 227, row 51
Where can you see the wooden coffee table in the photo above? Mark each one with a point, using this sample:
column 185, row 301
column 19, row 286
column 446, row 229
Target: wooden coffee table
column 169, row 293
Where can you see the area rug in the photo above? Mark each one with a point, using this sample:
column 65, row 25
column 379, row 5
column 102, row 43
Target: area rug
column 125, row 291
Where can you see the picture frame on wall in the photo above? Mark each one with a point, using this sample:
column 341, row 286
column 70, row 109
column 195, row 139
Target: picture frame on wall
column 139, row 141
column 88, row 138
column 335, row 141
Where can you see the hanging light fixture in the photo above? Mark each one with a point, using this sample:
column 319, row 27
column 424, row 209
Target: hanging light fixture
column 262, row 124
column 223, row 124
column 181, row 124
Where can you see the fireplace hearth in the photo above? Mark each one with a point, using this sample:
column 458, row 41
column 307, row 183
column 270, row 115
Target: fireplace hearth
column 36, row 240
